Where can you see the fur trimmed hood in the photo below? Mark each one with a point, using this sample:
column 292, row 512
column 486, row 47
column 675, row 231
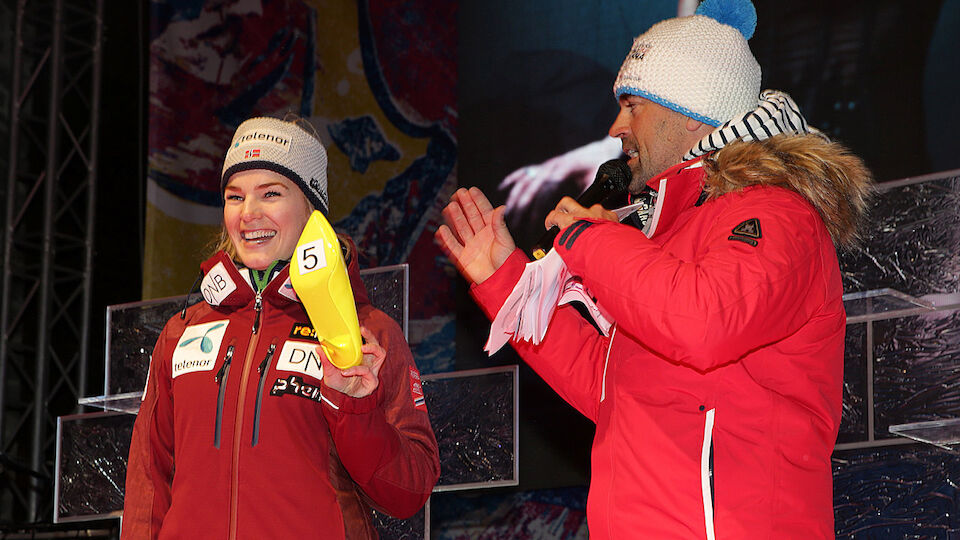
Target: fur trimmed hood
column 833, row 179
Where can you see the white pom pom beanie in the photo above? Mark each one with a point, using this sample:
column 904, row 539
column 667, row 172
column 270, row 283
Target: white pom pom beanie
column 282, row 147
column 699, row 66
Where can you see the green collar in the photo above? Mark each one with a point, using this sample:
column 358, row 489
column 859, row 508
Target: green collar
column 261, row 278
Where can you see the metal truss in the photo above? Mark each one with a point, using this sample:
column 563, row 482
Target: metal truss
column 53, row 74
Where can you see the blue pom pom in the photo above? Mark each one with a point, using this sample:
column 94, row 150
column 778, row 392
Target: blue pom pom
column 739, row 14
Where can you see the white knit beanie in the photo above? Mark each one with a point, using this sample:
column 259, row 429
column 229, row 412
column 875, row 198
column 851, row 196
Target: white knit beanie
column 284, row 148
column 699, row 66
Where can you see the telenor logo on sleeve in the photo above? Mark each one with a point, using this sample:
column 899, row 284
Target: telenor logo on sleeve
column 302, row 357
column 198, row 347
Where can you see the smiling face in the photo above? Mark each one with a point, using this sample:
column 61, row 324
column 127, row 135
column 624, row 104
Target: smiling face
column 653, row 136
column 264, row 214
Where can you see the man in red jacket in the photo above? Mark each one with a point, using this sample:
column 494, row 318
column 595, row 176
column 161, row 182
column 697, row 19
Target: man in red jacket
column 717, row 391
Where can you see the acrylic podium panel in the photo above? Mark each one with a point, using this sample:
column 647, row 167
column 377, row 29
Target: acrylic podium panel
column 388, row 287
column 910, row 491
column 132, row 331
column 882, row 304
column 853, row 418
column 474, row 414
column 917, row 369
column 91, row 465
column 942, row 433
column 91, row 469
column 902, row 348
column 912, row 242
column 415, row 527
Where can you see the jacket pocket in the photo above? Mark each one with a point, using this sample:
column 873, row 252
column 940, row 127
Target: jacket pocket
column 706, row 473
column 262, row 369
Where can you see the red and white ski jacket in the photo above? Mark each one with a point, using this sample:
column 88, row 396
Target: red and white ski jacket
column 717, row 396
column 237, row 436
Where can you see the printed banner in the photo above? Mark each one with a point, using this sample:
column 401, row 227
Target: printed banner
column 377, row 80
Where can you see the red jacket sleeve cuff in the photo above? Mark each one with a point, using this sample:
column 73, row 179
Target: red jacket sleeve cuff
column 345, row 404
column 493, row 292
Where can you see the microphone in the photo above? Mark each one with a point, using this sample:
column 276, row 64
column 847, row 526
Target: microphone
column 613, row 177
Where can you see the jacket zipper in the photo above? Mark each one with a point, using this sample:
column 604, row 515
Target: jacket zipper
column 257, row 306
column 262, row 369
column 238, row 419
column 221, row 380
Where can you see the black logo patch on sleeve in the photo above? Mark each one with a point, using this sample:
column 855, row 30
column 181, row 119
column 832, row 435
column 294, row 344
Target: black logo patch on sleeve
column 303, row 331
column 747, row 232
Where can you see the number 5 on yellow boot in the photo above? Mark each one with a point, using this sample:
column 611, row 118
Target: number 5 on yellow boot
column 319, row 277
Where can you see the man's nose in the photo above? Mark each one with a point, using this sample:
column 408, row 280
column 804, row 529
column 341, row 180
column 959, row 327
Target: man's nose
column 621, row 124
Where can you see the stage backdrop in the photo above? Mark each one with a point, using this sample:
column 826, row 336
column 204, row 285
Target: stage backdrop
column 536, row 83
column 377, row 79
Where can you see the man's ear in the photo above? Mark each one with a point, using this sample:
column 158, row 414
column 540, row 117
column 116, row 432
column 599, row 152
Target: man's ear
column 693, row 125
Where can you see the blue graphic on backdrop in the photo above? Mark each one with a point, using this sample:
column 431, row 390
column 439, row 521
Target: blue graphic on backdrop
column 362, row 140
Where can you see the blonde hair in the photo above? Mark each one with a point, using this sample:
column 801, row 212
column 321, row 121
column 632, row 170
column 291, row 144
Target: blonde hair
column 304, row 124
column 222, row 242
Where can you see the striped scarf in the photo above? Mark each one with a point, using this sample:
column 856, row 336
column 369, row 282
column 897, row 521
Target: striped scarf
column 777, row 113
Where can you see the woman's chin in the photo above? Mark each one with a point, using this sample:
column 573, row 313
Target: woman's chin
column 256, row 261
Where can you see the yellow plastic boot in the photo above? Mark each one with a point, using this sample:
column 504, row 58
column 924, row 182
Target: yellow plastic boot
column 319, row 277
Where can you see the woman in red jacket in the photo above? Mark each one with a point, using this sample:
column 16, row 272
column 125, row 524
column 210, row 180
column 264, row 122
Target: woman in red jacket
column 246, row 429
